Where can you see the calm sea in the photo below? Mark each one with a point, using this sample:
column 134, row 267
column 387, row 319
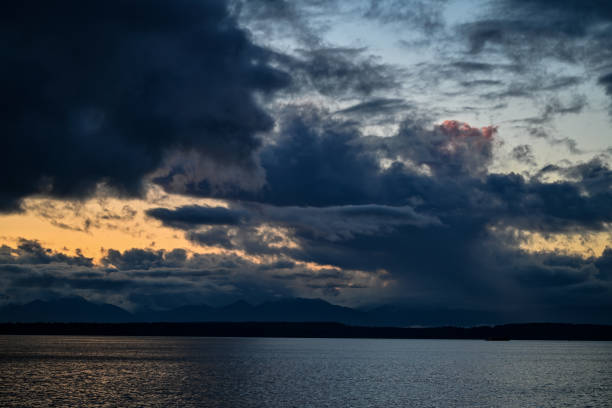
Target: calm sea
column 48, row 371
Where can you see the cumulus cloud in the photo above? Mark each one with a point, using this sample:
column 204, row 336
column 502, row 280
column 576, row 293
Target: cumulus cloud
column 102, row 91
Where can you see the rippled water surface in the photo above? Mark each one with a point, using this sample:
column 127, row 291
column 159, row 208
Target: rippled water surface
column 53, row 371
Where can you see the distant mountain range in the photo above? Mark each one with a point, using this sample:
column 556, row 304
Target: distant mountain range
column 78, row 310
column 288, row 310
column 74, row 309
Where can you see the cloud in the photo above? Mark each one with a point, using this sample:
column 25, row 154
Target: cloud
column 473, row 66
column 423, row 206
column 426, row 16
column 306, row 20
column 102, row 92
column 197, row 215
column 481, row 82
column 604, row 264
column 531, row 33
column 340, row 71
column 134, row 259
column 530, row 86
column 145, row 278
column 377, row 106
column 551, row 207
column 322, row 162
column 523, row 154
column 32, row 252
column 315, row 206
column 319, row 161
column 282, row 18
column 606, row 81
column 213, row 237
column 452, row 147
column 330, row 223
column 556, row 107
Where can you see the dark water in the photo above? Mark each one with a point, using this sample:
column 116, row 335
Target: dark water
column 230, row 372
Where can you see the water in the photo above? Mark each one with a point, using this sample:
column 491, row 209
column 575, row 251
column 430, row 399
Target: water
column 48, row 371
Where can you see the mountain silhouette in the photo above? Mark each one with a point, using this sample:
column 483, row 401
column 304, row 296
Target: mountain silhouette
column 76, row 309
column 73, row 309
column 286, row 310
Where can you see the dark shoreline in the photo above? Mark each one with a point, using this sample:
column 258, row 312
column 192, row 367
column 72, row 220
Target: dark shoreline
column 529, row 331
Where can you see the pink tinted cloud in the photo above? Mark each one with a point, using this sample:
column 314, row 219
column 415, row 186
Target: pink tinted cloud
column 456, row 129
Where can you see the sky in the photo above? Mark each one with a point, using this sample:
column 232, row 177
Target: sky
column 438, row 155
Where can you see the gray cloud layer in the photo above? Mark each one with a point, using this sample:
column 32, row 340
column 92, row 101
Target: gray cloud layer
column 105, row 92
column 434, row 218
column 102, row 91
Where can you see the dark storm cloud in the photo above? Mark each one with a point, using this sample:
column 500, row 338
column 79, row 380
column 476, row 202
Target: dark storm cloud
column 552, row 207
column 592, row 177
column 328, row 223
column 445, row 237
column 100, row 91
column 419, row 207
column 604, row 265
column 469, row 255
column 214, row 237
column 316, row 162
column 539, row 277
column 199, row 215
column 441, row 173
column 321, row 162
column 606, row 82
